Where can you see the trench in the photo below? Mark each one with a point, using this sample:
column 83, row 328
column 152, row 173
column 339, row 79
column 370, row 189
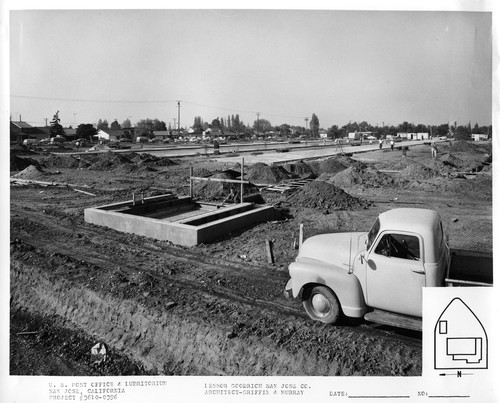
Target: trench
column 162, row 340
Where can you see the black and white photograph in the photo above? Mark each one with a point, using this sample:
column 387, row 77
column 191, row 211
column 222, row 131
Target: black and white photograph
column 237, row 202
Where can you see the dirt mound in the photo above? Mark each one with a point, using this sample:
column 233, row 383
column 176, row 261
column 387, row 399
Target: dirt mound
column 262, row 173
column 18, row 163
column 402, row 163
column 418, row 171
column 300, row 169
column 201, row 172
column 64, row 161
column 99, row 147
column 481, row 188
column 141, row 170
column 109, row 161
column 451, row 160
column 152, row 160
column 326, row 196
column 333, row 165
column 31, row 173
column 357, row 175
column 19, row 149
column 218, row 191
column 134, row 157
column 465, row 146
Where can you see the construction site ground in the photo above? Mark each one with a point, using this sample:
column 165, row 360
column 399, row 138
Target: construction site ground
column 214, row 309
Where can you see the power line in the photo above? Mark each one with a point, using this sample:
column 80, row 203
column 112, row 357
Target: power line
column 238, row 110
column 93, row 100
column 152, row 102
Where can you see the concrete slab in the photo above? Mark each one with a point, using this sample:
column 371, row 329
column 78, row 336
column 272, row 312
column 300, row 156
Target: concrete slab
column 181, row 221
column 311, row 153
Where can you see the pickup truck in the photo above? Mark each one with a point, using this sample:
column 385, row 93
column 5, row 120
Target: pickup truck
column 379, row 274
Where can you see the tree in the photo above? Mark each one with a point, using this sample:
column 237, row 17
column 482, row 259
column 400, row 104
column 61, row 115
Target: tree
column 126, row 124
column 55, row 127
column 462, row 133
column 262, row 125
column 334, row 132
column 102, row 124
column 441, row 130
column 86, row 131
column 284, row 129
column 236, row 125
column 314, row 125
column 159, row 125
column 151, row 125
column 421, row 128
column 198, row 124
column 216, row 124
column 115, row 125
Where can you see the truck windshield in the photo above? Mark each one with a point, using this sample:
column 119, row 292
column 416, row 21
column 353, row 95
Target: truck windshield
column 373, row 233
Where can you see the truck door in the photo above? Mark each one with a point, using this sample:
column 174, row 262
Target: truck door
column 395, row 274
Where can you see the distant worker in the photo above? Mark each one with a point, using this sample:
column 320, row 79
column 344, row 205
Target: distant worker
column 380, row 141
column 392, row 145
column 434, row 150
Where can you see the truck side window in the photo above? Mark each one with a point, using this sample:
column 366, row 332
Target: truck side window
column 373, row 233
column 400, row 246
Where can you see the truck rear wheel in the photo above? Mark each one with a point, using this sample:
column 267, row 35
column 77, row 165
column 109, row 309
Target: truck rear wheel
column 321, row 304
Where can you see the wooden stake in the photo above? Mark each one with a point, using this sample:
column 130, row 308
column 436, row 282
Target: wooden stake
column 242, row 173
column 269, row 250
column 82, row 191
column 191, row 182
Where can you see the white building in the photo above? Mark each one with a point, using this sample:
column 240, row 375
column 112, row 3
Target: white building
column 480, row 137
column 414, row 136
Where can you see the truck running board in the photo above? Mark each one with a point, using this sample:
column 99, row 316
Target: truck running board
column 394, row 319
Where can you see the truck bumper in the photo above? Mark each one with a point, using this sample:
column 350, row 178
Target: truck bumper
column 287, row 291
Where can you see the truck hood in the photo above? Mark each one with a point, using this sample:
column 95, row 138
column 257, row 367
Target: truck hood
column 338, row 249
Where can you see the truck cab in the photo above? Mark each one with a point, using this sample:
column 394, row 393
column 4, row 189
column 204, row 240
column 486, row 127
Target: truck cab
column 381, row 270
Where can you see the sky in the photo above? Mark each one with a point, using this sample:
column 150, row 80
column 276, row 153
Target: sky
column 383, row 67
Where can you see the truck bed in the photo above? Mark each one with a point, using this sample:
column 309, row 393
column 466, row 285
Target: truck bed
column 470, row 268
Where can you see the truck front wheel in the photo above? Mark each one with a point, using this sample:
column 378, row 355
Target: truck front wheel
column 321, row 304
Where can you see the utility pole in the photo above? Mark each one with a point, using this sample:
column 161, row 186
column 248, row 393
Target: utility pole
column 46, row 119
column 179, row 116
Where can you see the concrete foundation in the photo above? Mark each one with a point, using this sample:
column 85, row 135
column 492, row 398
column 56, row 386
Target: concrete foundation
column 179, row 220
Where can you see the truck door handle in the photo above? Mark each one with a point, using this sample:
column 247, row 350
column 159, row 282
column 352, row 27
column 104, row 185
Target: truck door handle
column 418, row 271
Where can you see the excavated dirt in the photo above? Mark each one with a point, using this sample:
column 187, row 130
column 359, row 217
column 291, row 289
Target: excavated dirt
column 300, row 169
column 220, row 191
column 418, row 171
column 262, row 173
column 218, row 308
column 19, row 164
column 325, row 196
column 32, row 172
column 356, row 175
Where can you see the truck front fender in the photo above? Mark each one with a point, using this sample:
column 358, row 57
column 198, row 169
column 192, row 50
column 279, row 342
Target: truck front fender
column 346, row 286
